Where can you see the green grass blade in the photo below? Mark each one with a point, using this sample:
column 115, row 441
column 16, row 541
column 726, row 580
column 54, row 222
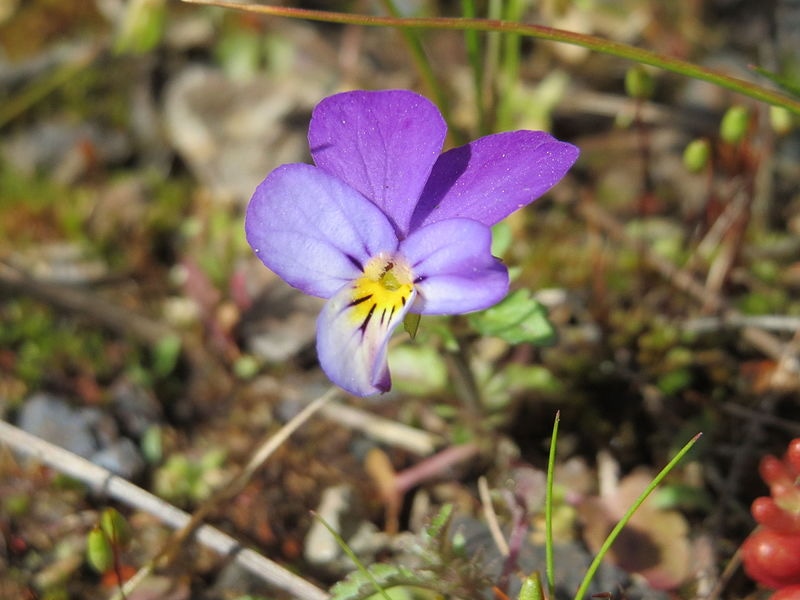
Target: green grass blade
column 550, row 570
column 541, row 32
column 421, row 61
column 474, row 53
column 590, row 572
column 347, row 550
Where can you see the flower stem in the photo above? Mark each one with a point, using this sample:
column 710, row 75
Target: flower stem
column 510, row 69
column 421, row 61
column 541, row 32
column 473, row 45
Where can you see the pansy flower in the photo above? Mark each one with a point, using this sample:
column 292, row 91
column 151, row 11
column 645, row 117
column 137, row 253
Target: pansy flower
column 385, row 223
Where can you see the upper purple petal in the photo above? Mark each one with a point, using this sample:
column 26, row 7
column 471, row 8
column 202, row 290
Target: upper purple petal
column 488, row 179
column 383, row 144
column 313, row 230
column 454, row 267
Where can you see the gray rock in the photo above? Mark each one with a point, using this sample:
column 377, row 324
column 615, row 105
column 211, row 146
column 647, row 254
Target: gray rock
column 87, row 432
column 121, row 458
column 231, row 132
column 52, row 419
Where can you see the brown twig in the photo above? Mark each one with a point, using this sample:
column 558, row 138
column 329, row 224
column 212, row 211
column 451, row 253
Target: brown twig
column 491, row 517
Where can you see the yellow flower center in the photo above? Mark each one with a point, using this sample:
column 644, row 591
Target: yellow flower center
column 383, row 289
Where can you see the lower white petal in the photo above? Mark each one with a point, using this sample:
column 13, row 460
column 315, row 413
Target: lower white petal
column 353, row 332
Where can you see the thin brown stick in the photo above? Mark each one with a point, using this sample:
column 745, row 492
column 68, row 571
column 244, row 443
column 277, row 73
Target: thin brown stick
column 491, row 517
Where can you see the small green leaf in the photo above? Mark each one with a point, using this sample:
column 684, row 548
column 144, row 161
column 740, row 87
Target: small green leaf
column 440, row 522
column 246, row 367
column 417, row 369
column 519, row 318
column 675, row 381
column 99, row 552
column 411, row 324
column 639, row 83
column 152, row 445
column 735, row 123
column 682, row 497
column 166, row 354
column 787, row 82
column 115, row 527
column 781, row 120
column 501, row 238
column 142, row 27
column 531, row 588
column 696, row 155
column 360, row 584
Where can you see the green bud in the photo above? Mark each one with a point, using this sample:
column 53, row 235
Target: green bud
column 142, row 26
column 459, row 544
column 99, row 552
column 781, row 120
column 152, row 444
column 639, row 83
column 734, row 124
column 531, row 588
column 696, row 155
column 246, row 367
column 115, row 527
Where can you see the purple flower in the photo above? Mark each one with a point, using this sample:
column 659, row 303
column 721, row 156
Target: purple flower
column 385, row 223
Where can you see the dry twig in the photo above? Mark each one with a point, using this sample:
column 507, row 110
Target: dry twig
column 103, row 481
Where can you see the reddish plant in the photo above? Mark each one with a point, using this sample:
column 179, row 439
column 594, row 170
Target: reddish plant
column 791, row 592
column 771, row 554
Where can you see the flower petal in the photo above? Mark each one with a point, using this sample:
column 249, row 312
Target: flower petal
column 454, row 267
column 313, row 230
column 383, row 144
column 352, row 341
column 488, row 179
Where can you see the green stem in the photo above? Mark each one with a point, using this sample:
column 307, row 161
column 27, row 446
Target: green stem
column 510, row 73
column 550, row 569
column 537, row 31
column 421, row 61
column 352, row 556
column 590, row 572
column 474, row 57
column 491, row 69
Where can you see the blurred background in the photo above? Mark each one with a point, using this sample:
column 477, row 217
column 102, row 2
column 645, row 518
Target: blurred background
column 138, row 330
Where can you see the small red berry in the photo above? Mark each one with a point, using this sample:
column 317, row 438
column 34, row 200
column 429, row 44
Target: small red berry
column 769, row 514
column 793, row 455
column 772, row 558
column 788, row 593
column 775, row 472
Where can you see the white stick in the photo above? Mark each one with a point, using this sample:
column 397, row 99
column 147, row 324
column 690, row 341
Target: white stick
column 102, row 481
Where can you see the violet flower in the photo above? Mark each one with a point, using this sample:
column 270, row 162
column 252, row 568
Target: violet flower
column 385, row 223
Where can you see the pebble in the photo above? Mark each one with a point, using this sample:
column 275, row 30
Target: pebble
column 87, row 432
column 233, row 132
